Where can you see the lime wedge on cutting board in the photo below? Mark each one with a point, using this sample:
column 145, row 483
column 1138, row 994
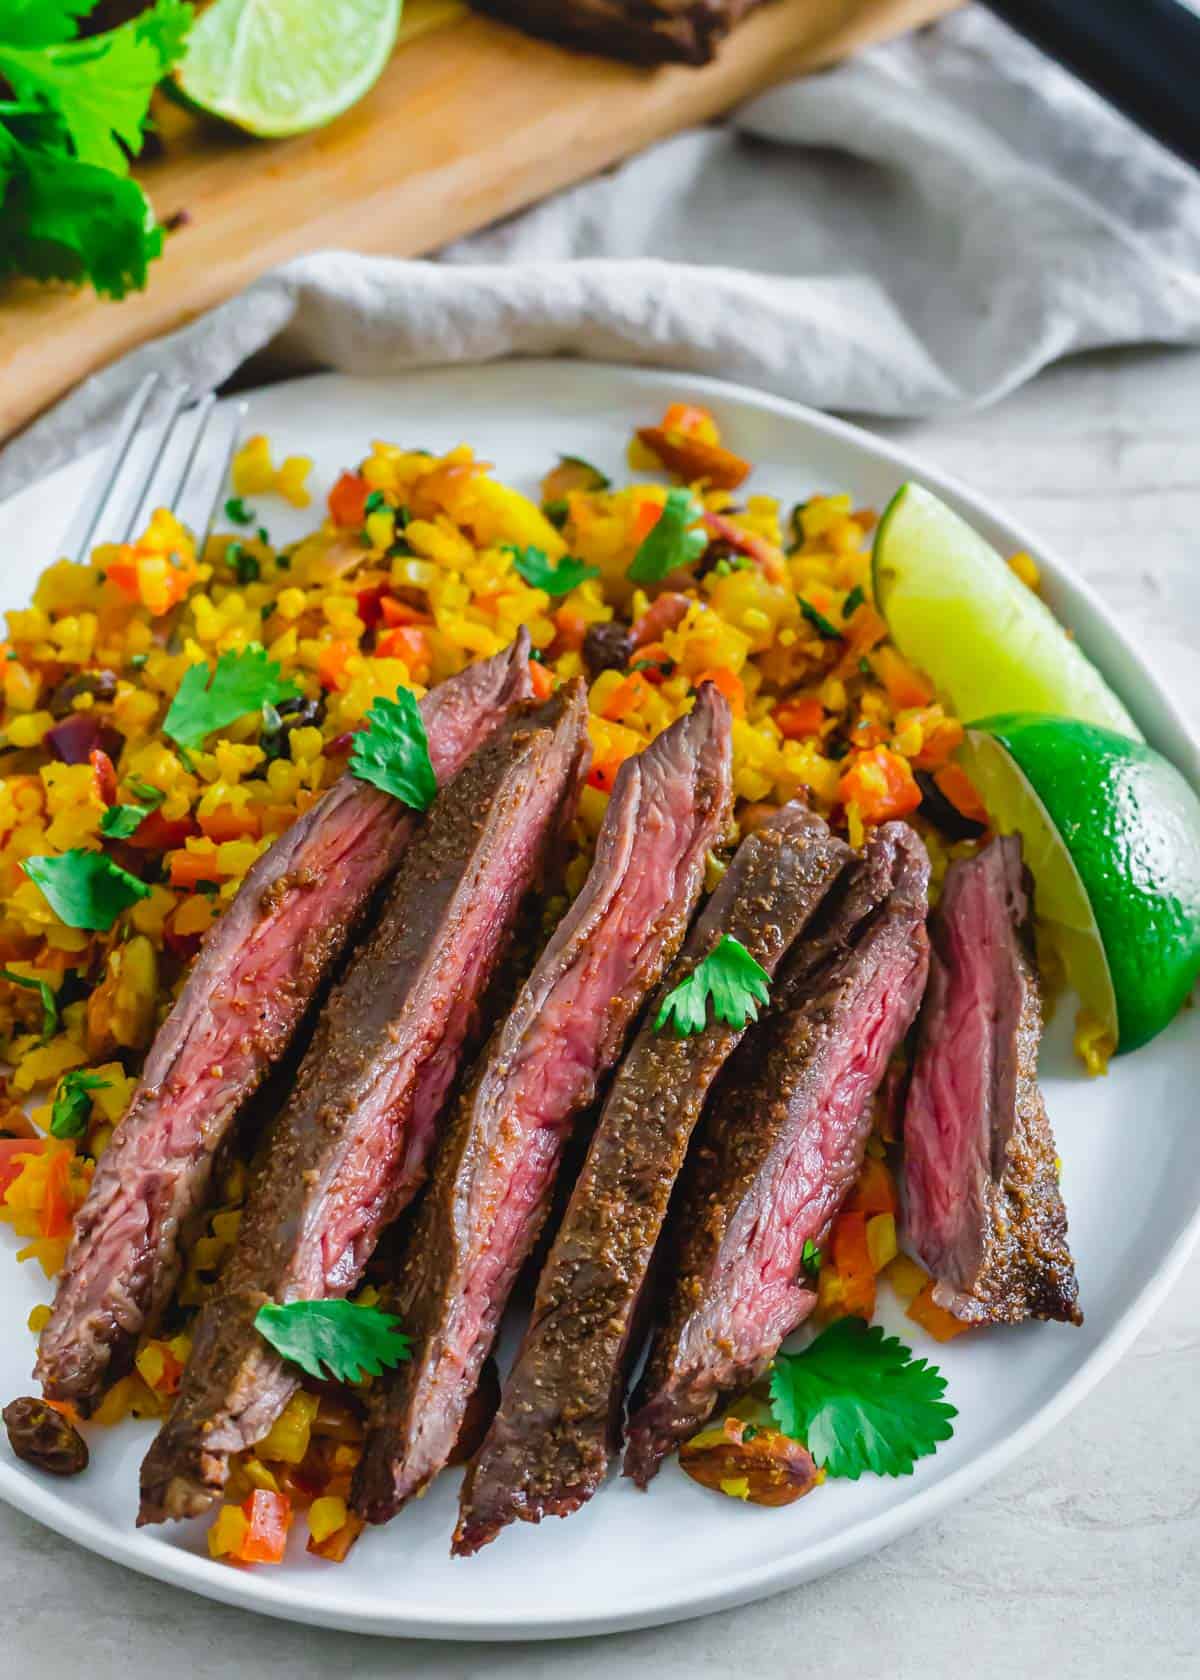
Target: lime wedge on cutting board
column 988, row 643
column 279, row 67
column 1111, row 835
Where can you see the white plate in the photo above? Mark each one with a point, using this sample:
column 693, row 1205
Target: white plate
column 1130, row 1145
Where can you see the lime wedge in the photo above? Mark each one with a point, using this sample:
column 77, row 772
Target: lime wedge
column 988, row 643
column 1111, row 835
column 278, row 67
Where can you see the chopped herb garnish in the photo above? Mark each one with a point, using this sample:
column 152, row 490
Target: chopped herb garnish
column 283, row 562
column 556, row 511
column 600, row 481
column 146, row 792
column 864, row 665
column 120, row 821
column 666, row 666
column 73, row 1103
column 730, row 976
column 45, row 992
column 264, row 536
column 137, row 660
column 237, row 512
column 272, row 722
column 208, row 700
column 860, row 1401
column 810, row 1256
column 538, row 572
column 853, row 601
column 392, row 752
column 819, row 622
column 334, row 1338
column 670, row 542
column 245, row 567
column 85, row 889
column 376, row 502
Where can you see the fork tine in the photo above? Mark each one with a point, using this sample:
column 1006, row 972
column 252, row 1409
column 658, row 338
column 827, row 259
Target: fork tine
column 79, row 540
column 206, row 470
column 140, row 487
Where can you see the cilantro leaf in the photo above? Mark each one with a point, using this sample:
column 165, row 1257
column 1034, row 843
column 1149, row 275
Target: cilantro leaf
column 245, row 567
column 147, row 792
column 46, row 992
column 208, row 700
column 670, row 544
column 238, row 513
column 335, row 1337
column 819, row 622
column 860, row 1401
column 853, row 601
column 41, row 23
column 73, row 1103
column 85, row 889
column 63, row 219
column 810, row 1256
column 729, row 976
column 535, row 568
column 392, row 752
column 120, row 821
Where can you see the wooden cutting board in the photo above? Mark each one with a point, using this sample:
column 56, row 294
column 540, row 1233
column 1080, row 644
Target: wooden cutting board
column 470, row 121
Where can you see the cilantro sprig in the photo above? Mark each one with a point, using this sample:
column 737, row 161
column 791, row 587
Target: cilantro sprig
column 671, row 541
column 120, row 821
column 731, row 977
column 538, row 571
column 68, row 207
column 822, row 625
column 335, row 1338
column 85, row 889
column 392, row 752
column 73, row 1103
column 45, row 993
column 860, row 1401
column 208, row 700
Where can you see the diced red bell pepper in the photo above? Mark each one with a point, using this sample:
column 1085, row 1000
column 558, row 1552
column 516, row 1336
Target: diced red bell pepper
column 406, row 642
column 399, row 612
column 542, row 680
column 268, row 1517
column 800, row 718
column 105, row 774
column 881, row 783
column 368, row 604
column 56, row 1209
column 156, row 833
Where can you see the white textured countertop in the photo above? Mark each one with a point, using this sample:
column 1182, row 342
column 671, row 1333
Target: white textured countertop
column 1081, row 1560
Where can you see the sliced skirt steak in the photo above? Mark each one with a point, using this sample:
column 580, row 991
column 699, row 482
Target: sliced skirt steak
column 783, row 1145
column 496, row 1167
column 984, row 1209
column 643, row 31
column 350, row 1148
column 262, row 966
column 549, row 1445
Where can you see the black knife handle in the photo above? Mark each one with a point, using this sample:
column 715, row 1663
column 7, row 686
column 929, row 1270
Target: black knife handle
column 1142, row 55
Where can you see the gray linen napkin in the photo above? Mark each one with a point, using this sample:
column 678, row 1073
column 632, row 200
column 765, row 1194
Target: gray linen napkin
column 920, row 229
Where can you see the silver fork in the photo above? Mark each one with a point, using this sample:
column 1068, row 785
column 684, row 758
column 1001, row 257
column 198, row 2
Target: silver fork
column 177, row 459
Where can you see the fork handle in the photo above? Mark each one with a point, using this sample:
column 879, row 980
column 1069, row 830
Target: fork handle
column 1143, row 56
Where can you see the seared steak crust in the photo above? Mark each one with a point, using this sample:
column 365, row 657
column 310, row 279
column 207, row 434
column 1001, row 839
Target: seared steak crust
column 260, row 969
column 496, row 1167
column 349, row 1149
column 783, row 1145
column 985, row 1211
column 643, row 31
column 549, row 1445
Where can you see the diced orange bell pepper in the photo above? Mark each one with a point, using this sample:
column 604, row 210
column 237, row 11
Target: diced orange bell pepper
column 730, row 685
column 399, row 612
column 542, row 680
column 692, row 458
column 645, row 517
column 875, row 1191
column 405, row 642
column 941, row 1325
column 692, row 421
column 881, row 784
column 187, row 869
column 625, row 697
column 943, row 737
column 348, row 499
column 122, row 573
column 56, row 1209
column 603, row 772
column 959, row 789
column 864, row 630
column 332, row 662
column 799, row 718
column 226, row 823
column 905, row 685
column 268, row 1518
column 572, row 629
column 334, row 1547
column 851, row 1260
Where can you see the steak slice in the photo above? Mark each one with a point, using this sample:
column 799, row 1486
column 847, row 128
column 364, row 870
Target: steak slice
column 783, row 1145
column 496, row 1167
column 984, row 1208
column 548, row 1448
column 349, row 1149
column 260, row 969
column 643, row 31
